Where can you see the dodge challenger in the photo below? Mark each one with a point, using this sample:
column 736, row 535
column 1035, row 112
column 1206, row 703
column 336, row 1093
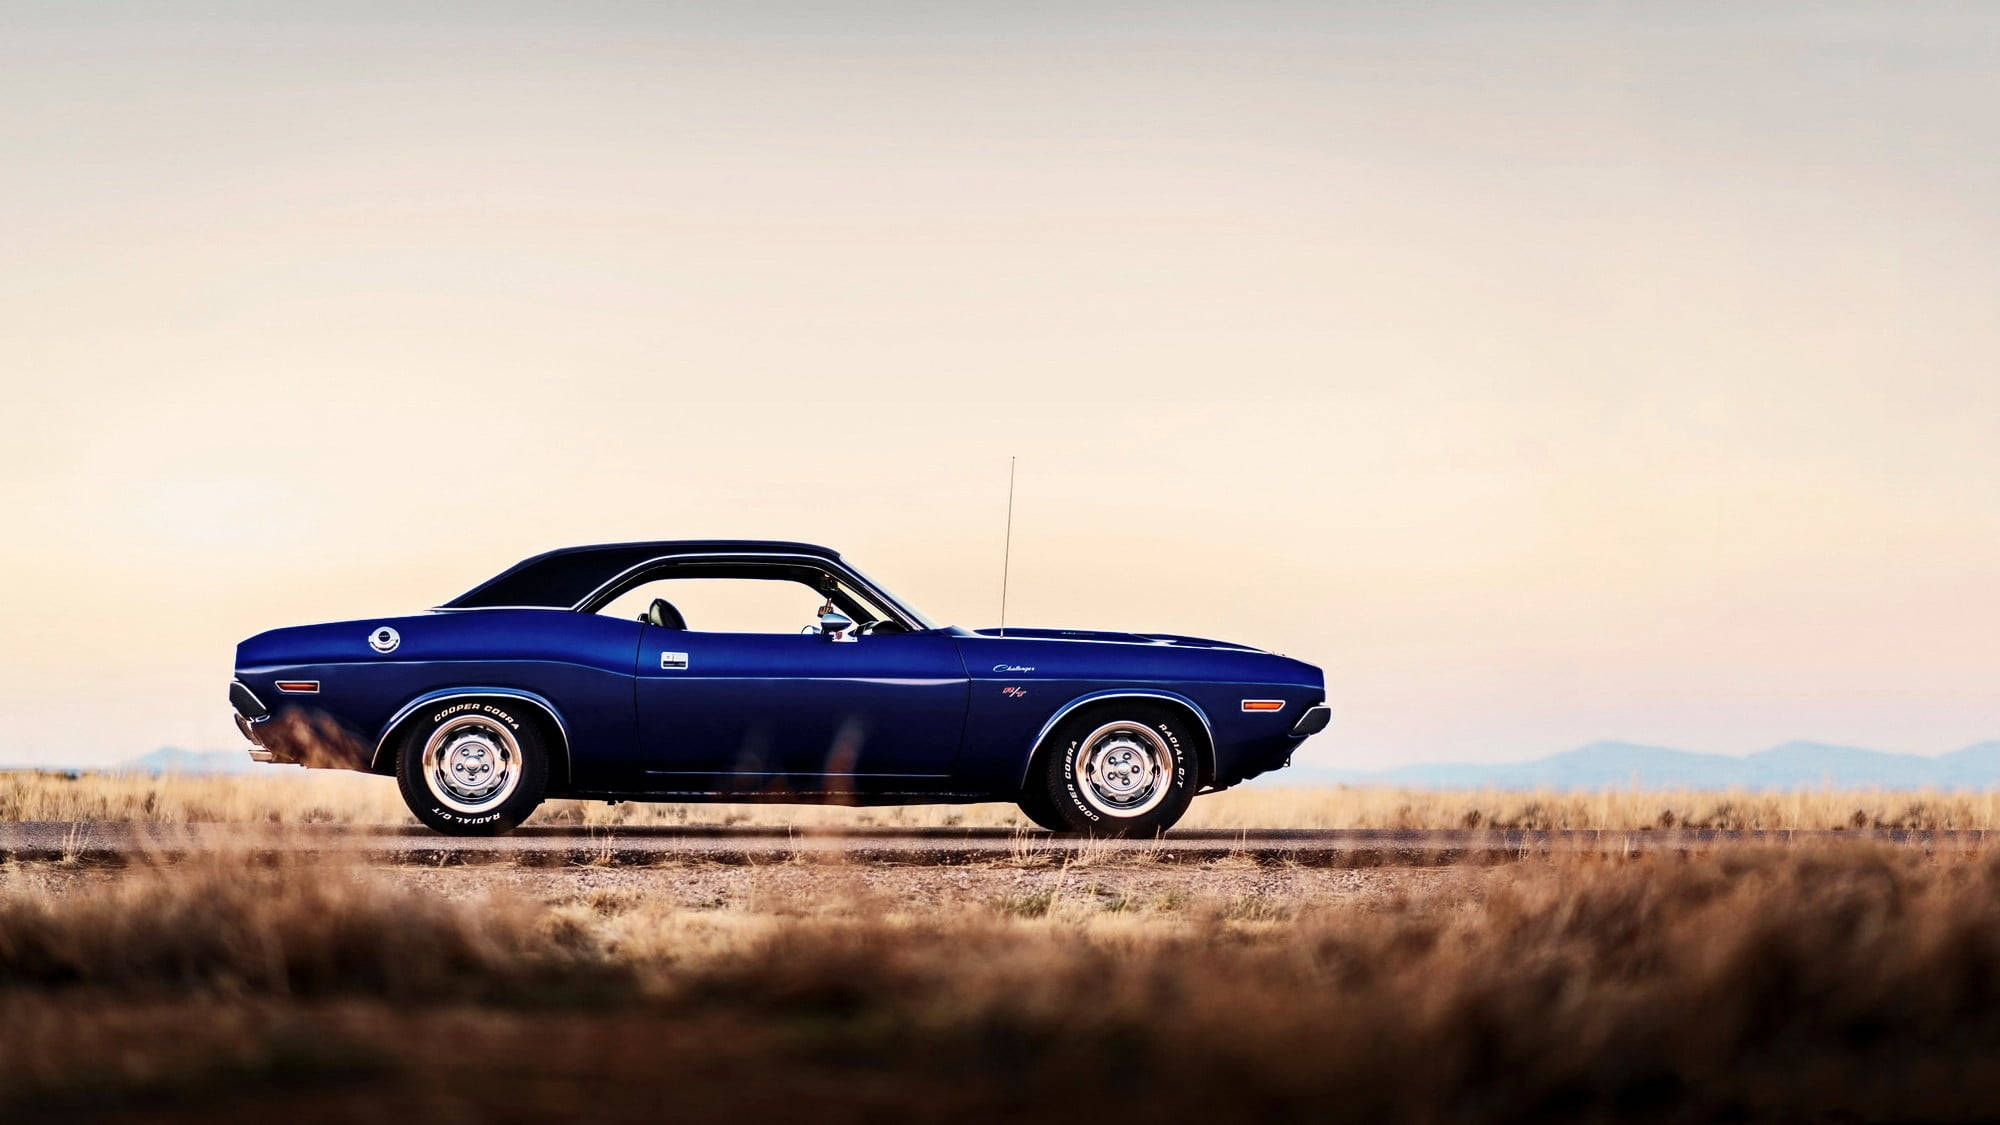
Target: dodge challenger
column 544, row 682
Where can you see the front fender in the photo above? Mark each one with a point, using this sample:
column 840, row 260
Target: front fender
column 1063, row 712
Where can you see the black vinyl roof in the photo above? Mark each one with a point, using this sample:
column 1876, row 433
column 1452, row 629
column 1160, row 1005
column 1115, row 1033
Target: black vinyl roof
column 560, row 579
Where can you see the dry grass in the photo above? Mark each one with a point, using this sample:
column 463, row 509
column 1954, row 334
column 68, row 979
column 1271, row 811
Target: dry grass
column 303, row 928
column 291, row 796
column 1848, row 982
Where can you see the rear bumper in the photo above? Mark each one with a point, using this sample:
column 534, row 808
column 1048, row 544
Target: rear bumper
column 1313, row 721
column 250, row 714
column 295, row 733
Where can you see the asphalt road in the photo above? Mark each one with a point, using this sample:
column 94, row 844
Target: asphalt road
column 109, row 842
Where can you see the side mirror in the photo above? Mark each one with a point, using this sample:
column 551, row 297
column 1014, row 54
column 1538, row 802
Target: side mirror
column 833, row 623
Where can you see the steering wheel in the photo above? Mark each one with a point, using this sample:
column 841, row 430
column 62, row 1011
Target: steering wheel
column 883, row 627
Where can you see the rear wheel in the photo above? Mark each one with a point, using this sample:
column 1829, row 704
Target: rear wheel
column 473, row 767
column 1121, row 770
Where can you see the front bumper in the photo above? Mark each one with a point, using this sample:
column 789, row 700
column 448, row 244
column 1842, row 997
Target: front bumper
column 1254, row 757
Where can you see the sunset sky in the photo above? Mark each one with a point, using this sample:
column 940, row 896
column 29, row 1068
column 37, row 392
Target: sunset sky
column 1545, row 372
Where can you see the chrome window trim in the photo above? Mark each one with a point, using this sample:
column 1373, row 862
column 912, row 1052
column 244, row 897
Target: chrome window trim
column 481, row 608
column 1207, row 729
column 529, row 697
column 906, row 617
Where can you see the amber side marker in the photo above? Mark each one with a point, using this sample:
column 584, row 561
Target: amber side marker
column 1263, row 705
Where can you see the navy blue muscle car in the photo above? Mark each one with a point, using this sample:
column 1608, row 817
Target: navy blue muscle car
column 544, row 682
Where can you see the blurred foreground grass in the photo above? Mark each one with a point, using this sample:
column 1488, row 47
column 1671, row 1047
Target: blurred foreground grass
column 1850, row 982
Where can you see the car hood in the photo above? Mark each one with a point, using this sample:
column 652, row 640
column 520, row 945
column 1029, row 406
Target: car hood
column 1170, row 639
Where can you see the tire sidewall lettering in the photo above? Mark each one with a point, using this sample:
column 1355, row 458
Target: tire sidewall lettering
column 443, row 813
column 479, row 707
column 1174, row 743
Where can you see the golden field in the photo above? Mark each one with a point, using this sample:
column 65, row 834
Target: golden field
column 1849, row 982
column 1817, row 980
column 292, row 796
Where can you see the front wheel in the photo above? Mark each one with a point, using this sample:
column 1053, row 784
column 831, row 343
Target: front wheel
column 1121, row 770
column 473, row 767
column 1036, row 806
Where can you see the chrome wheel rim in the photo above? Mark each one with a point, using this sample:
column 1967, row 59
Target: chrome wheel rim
column 1123, row 769
column 472, row 764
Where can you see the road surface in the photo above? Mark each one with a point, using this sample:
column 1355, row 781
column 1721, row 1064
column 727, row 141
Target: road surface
column 117, row 842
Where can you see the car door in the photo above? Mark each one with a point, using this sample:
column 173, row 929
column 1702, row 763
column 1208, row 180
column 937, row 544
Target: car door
column 800, row 712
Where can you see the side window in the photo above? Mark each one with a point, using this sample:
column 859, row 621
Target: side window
column 726, row 605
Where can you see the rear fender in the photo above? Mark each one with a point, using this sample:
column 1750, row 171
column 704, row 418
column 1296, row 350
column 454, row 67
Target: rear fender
column 385, row 754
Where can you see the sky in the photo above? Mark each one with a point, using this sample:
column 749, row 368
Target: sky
column 1544, row 372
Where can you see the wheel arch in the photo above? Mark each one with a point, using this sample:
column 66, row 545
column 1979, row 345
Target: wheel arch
column 1173, row 700
column 547, row 717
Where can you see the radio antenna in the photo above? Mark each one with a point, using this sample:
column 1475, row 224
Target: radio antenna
column 1007, row 551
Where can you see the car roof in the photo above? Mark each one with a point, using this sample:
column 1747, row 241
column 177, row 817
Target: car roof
column 562, row 578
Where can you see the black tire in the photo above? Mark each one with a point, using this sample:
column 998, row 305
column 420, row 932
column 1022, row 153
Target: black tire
column 463, row 737
column 1121, row 734
column 1036, row 806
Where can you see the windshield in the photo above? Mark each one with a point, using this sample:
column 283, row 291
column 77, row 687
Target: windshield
column 874, row 603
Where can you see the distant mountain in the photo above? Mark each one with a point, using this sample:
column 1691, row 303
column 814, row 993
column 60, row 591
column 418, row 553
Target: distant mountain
column 1979, row 761
column 170, row 759
column 1626, row 765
